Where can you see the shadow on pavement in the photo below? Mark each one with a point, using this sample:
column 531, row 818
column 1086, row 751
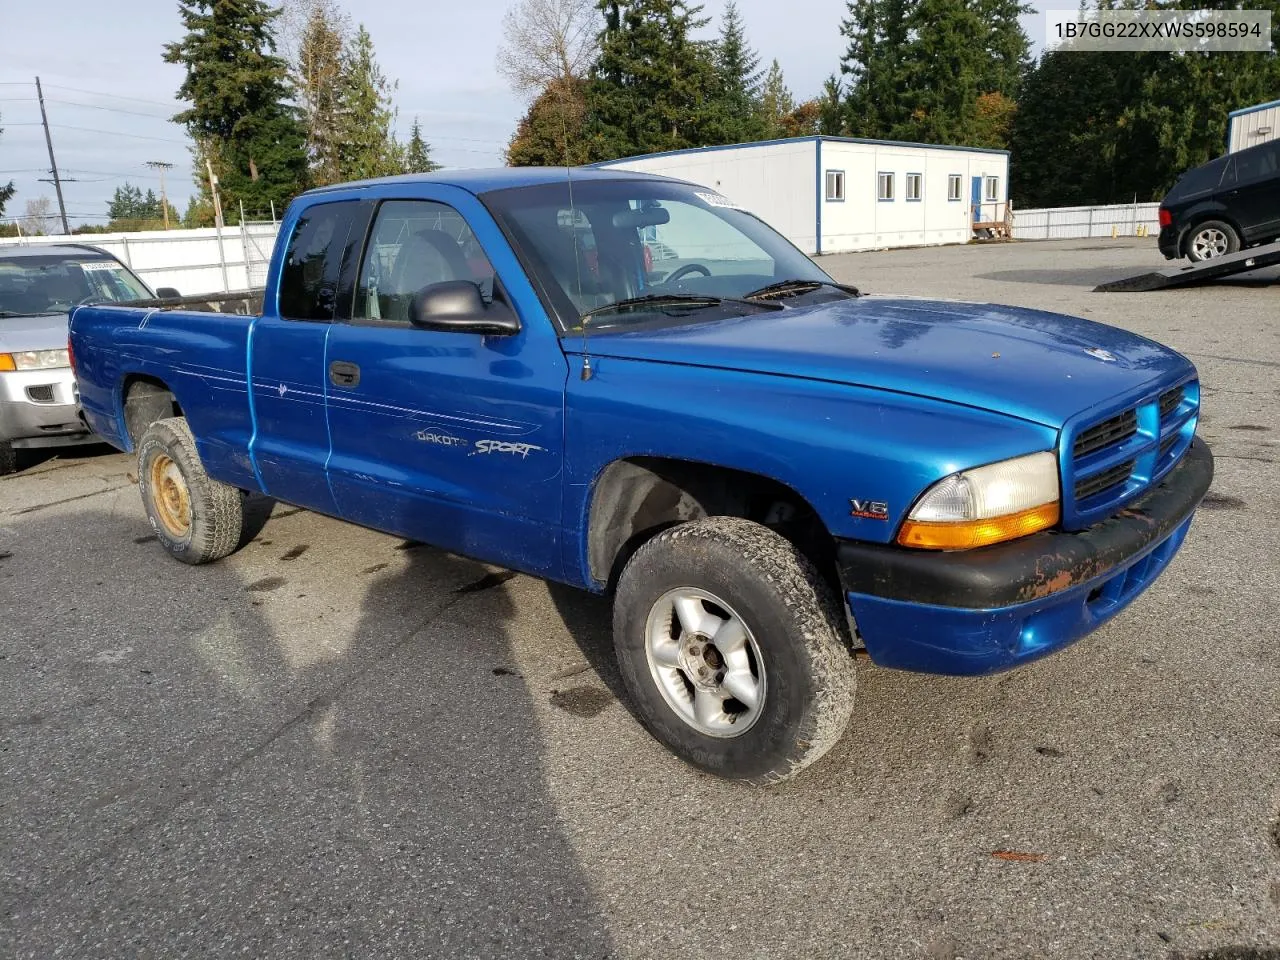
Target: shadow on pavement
column 191, row 766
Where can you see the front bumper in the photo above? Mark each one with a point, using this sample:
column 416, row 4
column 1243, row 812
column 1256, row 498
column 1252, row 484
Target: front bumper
column 38, row 408
column 982, row 611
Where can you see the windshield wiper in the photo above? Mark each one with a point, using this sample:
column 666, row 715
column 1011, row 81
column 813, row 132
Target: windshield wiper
column 672, row 299
column 796, row 287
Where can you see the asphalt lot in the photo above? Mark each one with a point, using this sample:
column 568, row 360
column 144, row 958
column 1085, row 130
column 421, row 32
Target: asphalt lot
column 338, row 744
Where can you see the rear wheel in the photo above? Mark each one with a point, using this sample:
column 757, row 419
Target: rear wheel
column 196, row 518
column 1210, row 240
column 731, row 646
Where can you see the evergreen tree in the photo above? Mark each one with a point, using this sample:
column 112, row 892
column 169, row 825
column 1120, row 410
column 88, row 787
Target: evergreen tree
column 551, row 133
column 738, row 76
column 131, row 209
column 920, row 69
column 6, row 191
column 775, row 102
column 653, row 86
column 417, row 152
column 368, row 147
column 239, row 114
column 831, row 115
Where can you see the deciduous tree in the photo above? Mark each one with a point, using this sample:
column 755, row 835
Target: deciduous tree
column 548, row 41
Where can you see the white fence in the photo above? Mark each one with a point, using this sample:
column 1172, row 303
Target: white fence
column 1063, row 223
column 206, row 260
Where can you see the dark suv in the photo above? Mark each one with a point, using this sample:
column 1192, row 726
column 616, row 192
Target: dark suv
column 1224, row 205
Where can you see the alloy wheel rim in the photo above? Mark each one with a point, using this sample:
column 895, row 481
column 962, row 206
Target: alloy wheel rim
column 705, row 662
column 1210, row 243
column 170, row 497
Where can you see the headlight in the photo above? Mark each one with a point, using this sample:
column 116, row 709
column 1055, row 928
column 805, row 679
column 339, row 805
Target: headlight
column 34, row 360
column 973, row 508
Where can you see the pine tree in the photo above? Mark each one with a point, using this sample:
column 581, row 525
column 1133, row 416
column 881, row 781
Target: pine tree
column 878, row 32
column 738, row 75
column 941, row 73
column 239, row 116
column 775, row 102
column 417, row 152
column 551, row 133
column 653, row 86
column 368, row 147
column 831, row 114
column 6, row 191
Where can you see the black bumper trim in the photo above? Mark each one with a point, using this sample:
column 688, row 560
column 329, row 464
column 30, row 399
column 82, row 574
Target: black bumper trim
column 1032, row 567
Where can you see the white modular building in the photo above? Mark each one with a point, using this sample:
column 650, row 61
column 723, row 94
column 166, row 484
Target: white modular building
column 1253, row 125
column 836, row 194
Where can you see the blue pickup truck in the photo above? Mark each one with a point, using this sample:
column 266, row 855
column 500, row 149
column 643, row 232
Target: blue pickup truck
column 629, row 384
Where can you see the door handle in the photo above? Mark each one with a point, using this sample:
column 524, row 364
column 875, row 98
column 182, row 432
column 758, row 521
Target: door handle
column 344, row 374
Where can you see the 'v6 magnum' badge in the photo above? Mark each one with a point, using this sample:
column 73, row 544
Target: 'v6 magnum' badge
column 1101, row 354
column 869, row 509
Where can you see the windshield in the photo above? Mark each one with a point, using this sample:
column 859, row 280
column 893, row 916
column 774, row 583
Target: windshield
column 55, row 284
column 661, row 249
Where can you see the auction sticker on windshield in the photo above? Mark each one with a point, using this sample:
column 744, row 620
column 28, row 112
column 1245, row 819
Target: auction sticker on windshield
column 717, row 200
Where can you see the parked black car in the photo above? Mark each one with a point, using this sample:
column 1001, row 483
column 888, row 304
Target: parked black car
column 1226, row 204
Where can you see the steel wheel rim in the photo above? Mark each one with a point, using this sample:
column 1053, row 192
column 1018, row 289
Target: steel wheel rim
column 169, row 496
column 705, row 662
column 1210, row 243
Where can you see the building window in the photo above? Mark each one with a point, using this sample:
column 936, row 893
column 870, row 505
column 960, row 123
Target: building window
column 955, row 186
column 914, row 186
column 993, row 189
column 884, row 186
column 835, row 185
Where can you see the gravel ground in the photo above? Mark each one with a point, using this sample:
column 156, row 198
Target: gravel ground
column 338, row 744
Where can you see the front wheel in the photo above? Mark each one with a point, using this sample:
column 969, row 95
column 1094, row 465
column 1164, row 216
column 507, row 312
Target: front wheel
column 731, row 647
column 196, row 518
column 1210, row 240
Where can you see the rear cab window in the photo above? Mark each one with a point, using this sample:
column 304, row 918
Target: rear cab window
column 325, row 238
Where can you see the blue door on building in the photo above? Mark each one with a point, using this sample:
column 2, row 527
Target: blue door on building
column 975, row 198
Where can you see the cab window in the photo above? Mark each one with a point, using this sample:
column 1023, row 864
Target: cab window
column 414, row 244
column 313, row 261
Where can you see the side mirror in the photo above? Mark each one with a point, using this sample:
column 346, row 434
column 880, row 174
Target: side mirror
column 456, row 306
column 167, row 293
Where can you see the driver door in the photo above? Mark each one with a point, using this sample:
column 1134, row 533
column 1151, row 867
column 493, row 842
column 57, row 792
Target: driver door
column 452, row 438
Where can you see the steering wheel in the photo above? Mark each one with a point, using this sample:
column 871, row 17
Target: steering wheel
column 681, row 272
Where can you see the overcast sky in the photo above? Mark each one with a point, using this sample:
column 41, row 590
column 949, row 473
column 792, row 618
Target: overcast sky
column 109, row 93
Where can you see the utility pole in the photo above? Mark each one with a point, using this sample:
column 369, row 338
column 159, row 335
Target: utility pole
column 53, row 164
column 162, row 166
column 217, row 200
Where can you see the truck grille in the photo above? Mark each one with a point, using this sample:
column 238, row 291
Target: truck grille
column 40, row 394
column 1090, row 486
column 1116, row 458
column 1106, row 433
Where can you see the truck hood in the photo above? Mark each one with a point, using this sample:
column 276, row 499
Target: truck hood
column 1039, row 366
column 47, row 331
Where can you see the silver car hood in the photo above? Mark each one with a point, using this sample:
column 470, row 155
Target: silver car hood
column 48, row 331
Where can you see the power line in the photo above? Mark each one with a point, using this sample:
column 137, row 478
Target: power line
column 114, row 96
column 98, row 106
column 111, row 133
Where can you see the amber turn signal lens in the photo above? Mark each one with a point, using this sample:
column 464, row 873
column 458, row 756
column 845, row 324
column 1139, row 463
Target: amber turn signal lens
column 7, row 363
column 966, row 534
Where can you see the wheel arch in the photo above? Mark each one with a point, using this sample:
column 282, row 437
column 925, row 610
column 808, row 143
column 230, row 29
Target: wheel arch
column 634, row 498
column 143, row 400
column 1202, row 216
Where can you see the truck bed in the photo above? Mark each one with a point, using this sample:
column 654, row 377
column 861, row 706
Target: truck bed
column 242, row 303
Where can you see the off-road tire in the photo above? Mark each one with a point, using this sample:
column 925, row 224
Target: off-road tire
column 216, row 511
column 8, row 458
column 795, row 620
column 1228, row 232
